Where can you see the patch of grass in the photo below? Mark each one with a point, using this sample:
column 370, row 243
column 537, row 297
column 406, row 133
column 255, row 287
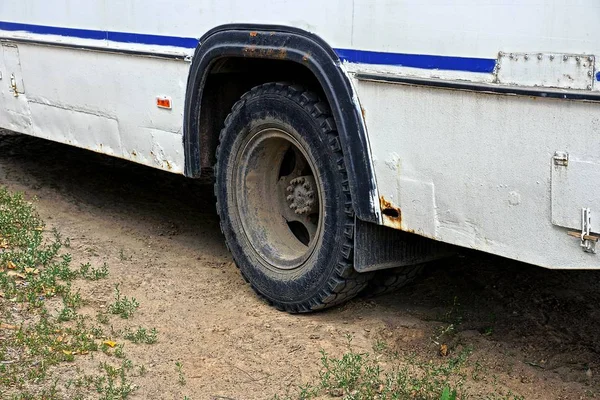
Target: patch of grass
column 142, row 335
column 123, row 306
column 93, row 274
column 35, row 271
column 361, row 376
column 113, row 383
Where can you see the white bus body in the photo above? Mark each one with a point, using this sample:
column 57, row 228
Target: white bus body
column 482, row 118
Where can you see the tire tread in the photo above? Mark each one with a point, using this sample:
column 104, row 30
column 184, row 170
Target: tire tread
column 344, row 283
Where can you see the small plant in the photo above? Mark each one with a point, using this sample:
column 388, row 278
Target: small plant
column 119, row 353
column 380, row 346
column 142, row 370
column 123, row 306
column 66, row 314
column 142, row 335
column 447, row 394
column 123, row 257
column 181, row 378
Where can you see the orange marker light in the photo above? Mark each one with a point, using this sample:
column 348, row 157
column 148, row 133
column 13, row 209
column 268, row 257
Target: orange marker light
column 163, row 102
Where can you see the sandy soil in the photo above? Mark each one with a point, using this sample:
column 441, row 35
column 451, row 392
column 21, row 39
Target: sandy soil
column 533, row 331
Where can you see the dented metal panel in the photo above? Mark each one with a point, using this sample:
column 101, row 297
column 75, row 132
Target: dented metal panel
column 108, row 108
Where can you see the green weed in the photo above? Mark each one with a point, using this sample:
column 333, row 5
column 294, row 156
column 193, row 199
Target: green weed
column 181, row 376
column 142, row 335
column 123, row 306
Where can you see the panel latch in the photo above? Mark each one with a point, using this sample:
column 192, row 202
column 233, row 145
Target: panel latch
column 588, row 241
column 13, row 85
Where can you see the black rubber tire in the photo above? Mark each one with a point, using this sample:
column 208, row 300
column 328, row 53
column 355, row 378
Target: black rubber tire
column 390, row 280
column 328, row 277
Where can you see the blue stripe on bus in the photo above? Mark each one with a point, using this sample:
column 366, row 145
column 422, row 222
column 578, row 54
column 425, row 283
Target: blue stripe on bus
column 422, row 61
column 122, row 37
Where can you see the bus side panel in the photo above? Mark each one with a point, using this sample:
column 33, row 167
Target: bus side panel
column 475, row 169
column 107, row 102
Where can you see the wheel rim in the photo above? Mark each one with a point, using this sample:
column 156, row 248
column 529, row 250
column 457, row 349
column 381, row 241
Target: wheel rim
column 278, row 198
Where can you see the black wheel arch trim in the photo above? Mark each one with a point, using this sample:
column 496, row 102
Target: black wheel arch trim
column 292, row 44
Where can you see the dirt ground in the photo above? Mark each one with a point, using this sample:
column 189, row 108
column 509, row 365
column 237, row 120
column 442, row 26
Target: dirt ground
column 533, row 331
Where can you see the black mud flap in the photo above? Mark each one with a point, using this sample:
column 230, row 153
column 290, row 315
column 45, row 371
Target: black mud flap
column 379, row 247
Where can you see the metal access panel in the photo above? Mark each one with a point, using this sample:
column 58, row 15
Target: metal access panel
column 575, row 186
column 561, row 71
column 14, row 107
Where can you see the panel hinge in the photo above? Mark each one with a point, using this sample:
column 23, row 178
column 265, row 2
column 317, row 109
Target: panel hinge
column 561, row 159
column 588, row 241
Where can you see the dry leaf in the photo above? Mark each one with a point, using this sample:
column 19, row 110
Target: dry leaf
column 33, row 271
column 2, row 294
column 11, row 265
column 67, row 353
column 444, row 350
column 109, row 343
column 59, row 339
column 16, row 274
column 8, row 326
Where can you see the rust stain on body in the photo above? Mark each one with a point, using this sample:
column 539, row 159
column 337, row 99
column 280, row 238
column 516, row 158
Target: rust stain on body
column 253, row 34
column 260, row 52
column 392, row 215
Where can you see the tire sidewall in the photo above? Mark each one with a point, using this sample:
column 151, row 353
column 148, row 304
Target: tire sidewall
column 276, row 110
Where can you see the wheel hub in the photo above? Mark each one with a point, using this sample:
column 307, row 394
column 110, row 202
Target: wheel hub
column 301, row 195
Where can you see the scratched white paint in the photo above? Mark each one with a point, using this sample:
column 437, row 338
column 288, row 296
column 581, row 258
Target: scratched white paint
column 466, row 168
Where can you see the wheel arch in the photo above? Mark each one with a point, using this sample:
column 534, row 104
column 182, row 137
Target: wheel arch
column 285, row 44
